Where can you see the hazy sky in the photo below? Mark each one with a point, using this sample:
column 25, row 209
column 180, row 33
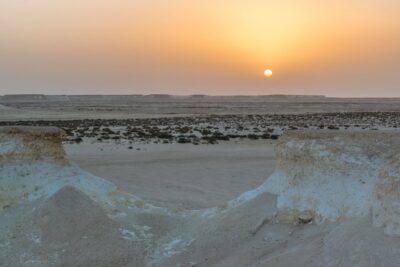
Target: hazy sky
column 337, row 48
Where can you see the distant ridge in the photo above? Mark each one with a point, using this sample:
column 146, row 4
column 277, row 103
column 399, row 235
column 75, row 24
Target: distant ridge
column 293, row 96
column 42, row 97
column 23, row 97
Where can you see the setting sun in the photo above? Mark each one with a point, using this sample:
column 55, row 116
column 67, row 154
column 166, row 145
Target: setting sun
column 208, row 47
column 268, row 73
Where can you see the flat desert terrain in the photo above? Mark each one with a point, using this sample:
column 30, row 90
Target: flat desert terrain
column 179, row 175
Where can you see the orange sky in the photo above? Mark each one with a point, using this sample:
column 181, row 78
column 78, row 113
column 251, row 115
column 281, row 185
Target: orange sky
column 337, row 48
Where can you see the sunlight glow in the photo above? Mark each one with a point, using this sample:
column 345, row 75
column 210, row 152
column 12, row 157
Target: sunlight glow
column 268, row 73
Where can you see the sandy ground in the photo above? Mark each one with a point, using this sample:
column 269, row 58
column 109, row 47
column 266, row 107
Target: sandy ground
column 179, row 175
column 124, row 107
column 16, row 114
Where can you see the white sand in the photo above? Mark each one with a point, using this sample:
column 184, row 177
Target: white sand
column 179, row 175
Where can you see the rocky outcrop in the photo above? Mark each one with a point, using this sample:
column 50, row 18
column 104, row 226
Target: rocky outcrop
column 29, row 144
column 338, row 175
column 33, row 165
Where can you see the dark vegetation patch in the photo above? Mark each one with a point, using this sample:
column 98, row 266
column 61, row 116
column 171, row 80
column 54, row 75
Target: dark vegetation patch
column 214, row 128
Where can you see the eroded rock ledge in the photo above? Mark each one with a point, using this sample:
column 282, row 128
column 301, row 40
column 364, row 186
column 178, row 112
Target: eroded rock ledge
column 27, row 144
column 339, row 175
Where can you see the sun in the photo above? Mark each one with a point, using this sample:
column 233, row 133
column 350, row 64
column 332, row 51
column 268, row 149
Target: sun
column 268, row 73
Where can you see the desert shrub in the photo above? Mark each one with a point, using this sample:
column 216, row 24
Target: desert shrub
column 206, row 132
column 222, row 137
column 265, row 136
column 184, row 129
column 164, row 135
column 78, row 140
column 105, row 137
column 210, row 139
column 333, row 127
column 108, row 130
column 252, row 136
column 183, row 140
column 274, row 136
